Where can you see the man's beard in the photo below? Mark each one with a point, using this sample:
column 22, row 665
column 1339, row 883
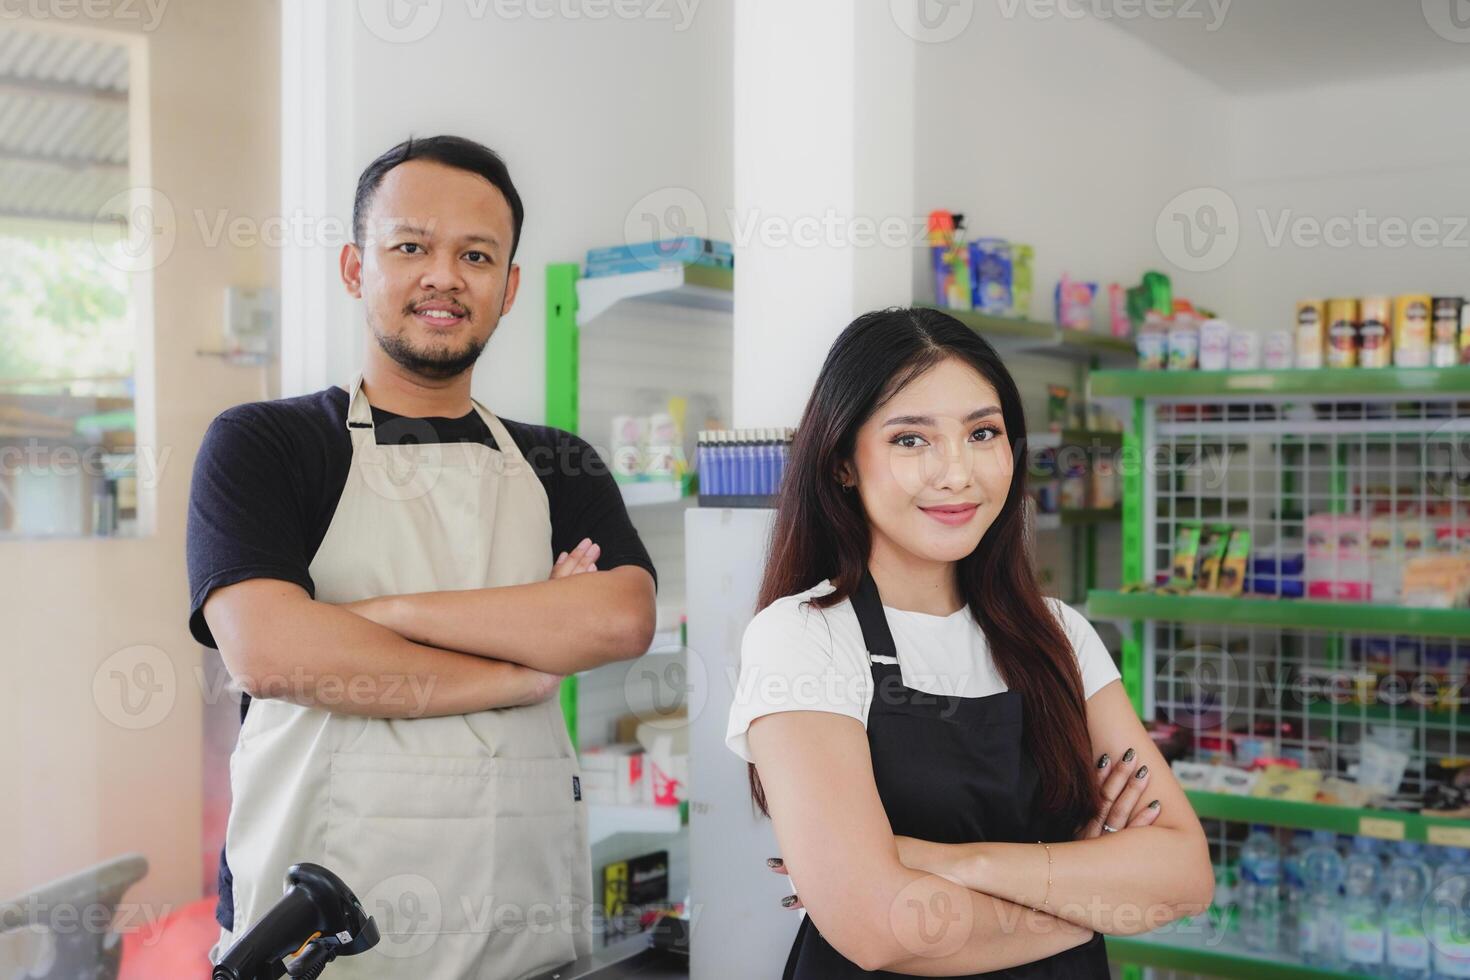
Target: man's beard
column 439, row 364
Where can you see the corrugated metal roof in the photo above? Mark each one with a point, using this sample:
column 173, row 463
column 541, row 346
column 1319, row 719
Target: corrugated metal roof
column 63, row 124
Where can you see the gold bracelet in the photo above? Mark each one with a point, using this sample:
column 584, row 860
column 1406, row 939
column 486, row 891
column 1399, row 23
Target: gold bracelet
column 1046, row 898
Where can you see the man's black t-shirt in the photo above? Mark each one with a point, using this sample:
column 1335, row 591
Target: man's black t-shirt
column 269, row 475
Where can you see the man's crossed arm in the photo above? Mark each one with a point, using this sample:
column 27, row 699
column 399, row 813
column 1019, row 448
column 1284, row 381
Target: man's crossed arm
column 432, row 653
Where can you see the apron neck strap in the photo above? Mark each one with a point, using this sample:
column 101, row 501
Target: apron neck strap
column 363, row 431
column 868, row 605
column 359, row 415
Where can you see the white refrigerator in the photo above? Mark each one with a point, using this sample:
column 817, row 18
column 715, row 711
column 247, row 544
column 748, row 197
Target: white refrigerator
column 738, row 928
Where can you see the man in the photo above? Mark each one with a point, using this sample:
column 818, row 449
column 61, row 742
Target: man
column 399, row 580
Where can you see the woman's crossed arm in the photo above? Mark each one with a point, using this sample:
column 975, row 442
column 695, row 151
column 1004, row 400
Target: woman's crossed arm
column 839, row 849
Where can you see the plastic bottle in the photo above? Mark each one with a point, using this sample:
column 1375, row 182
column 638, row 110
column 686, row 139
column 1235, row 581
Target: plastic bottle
column 1292, row 892
column 1449, row 923
column 1362, row 932
column 744, row 462
column 1320, row 925
column 1260, row 896
column 1408, row 949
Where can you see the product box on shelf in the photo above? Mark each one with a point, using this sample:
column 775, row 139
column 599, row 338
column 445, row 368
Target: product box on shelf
column 1337, row 557
column 614, row 774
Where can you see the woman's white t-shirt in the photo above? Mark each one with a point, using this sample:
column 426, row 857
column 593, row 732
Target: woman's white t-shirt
column 797, row 657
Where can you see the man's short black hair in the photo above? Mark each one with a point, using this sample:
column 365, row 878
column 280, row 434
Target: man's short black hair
column 452, row 151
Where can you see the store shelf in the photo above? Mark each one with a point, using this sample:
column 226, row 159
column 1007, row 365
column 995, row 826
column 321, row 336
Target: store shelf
column 1197, row 947
column 646, row 493
column 1084, row 438
column 1353, row 821
column 678, row 284
column 606, row 820
column 1403, row 382
column 1287, row 613
column 1071, row 518
column 1050, row 339
column 1437, row 719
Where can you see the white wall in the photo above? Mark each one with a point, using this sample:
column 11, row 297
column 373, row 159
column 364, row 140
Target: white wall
column 1068, row 135
column 1397, row 149
column 600, row 121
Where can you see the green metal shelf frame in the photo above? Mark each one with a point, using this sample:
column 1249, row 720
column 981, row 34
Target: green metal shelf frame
column 1438, row 719
column 562, row 342
column 1140, row 951
column 1407, row 382
column 563, row 377
column 1138, row 609
column 1285, row 613
column 1347, row 820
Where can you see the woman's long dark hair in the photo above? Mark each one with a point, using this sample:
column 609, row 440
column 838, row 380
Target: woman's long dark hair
column 822, row 532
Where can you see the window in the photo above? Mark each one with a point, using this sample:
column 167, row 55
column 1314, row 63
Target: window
column 68, row 327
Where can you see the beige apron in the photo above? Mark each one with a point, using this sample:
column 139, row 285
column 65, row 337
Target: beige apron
column 460, row 834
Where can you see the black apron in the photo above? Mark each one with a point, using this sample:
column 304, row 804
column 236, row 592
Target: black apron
column 951, row 770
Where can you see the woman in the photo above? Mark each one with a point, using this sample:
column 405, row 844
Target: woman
column 927, row 757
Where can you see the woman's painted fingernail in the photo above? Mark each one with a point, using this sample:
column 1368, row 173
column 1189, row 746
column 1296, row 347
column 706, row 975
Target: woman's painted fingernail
column 774, row 862
column 1128, row 756
column 789, row 901
column 1142, row 771
column 1154, row 805
column 1103, row 761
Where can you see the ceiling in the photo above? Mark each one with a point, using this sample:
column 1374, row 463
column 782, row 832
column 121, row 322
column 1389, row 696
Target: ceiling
column 1266, row 45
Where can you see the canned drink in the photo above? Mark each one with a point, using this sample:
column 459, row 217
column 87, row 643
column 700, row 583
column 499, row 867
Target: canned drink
column 1342, row 332
column 1445, row 340
column 1465, row 334
column 1411, row 315
column 1311, row 326
column 1375, row 340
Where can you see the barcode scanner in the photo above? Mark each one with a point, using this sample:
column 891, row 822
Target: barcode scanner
column 317, row 920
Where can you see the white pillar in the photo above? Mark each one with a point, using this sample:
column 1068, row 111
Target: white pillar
column 319, row 322
column 824, row 186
